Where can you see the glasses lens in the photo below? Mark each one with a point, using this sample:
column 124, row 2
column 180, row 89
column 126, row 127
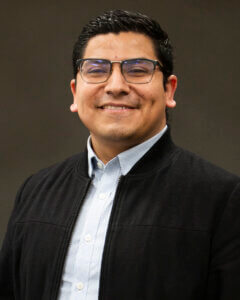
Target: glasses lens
column 138, row 70
column 95, row 70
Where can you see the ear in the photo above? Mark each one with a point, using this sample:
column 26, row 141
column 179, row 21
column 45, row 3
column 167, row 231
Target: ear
column 170, row 89
column 73, row 106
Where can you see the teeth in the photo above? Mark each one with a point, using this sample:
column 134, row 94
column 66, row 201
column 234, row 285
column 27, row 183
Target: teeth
column 115, row 107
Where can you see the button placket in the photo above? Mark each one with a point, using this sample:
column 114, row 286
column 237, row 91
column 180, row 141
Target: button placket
column 87, row 258
column 87, row 244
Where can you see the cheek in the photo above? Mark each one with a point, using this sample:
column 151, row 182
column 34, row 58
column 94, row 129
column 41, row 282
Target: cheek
column 150, row 94
column 83, row 99
column 152, row 101
column 88, row 95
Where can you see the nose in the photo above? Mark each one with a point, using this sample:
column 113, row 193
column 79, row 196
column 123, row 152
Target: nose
column 116, row 84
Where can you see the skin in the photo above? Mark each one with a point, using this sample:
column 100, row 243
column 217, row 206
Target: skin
column 115, row 130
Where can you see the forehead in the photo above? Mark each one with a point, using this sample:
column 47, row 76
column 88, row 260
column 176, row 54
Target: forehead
column 120, row 46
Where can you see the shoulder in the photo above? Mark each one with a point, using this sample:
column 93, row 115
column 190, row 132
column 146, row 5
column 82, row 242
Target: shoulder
column 68, row 165
column 194, row 167
column 55, row 175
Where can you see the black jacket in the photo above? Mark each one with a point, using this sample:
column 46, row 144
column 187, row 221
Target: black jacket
column 174, row 230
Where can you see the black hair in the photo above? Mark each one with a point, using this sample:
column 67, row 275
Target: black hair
column 115, row 21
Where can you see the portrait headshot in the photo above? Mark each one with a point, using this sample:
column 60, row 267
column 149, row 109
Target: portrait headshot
column 121, row 170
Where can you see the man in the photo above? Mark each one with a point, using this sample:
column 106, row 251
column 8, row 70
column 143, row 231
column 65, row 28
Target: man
column 134, row 216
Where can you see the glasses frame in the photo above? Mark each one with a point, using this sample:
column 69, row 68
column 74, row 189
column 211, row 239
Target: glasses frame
column 156, row 63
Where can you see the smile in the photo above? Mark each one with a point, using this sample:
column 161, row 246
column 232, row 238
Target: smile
column 113, row 107
column 117, row 107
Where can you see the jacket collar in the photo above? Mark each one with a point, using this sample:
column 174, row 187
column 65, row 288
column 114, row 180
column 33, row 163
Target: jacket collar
column 159, row 156
column 126, row 159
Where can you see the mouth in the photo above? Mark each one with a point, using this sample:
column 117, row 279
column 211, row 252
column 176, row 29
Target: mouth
column 113, row 107
column 120, row 107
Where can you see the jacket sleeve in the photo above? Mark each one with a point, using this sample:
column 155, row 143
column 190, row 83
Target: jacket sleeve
column 224, row 274
column 6, row 259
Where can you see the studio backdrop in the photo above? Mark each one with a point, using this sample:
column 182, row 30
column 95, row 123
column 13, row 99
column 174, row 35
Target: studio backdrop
column 37, row 128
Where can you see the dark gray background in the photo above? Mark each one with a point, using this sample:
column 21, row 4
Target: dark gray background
column 37, row 128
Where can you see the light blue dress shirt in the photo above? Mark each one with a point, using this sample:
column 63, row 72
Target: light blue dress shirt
column 81, row 274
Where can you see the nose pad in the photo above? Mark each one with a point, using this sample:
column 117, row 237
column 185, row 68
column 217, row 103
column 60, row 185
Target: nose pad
column 116, row 83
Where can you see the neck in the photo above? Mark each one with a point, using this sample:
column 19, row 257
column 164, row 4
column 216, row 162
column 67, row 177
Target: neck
column 106, row 150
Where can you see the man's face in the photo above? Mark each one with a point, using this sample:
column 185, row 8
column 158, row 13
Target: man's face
column 117, row 112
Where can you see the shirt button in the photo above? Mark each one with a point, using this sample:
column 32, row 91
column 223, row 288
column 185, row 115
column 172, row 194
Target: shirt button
column 88, row 238
column 100, row 165
column 79, row 286
column 102, row 196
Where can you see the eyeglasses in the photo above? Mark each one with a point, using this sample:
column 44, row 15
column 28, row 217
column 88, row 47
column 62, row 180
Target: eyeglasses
column 137, row 70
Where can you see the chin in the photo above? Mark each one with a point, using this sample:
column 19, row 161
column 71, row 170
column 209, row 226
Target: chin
column 118, row 135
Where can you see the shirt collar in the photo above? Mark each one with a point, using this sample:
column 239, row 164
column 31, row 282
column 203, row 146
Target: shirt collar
column 91, row 157
column 127, row 159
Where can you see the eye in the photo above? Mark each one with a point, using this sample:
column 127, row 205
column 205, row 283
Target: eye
column 137, row 71
column 96, row 70
column 138, row 67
